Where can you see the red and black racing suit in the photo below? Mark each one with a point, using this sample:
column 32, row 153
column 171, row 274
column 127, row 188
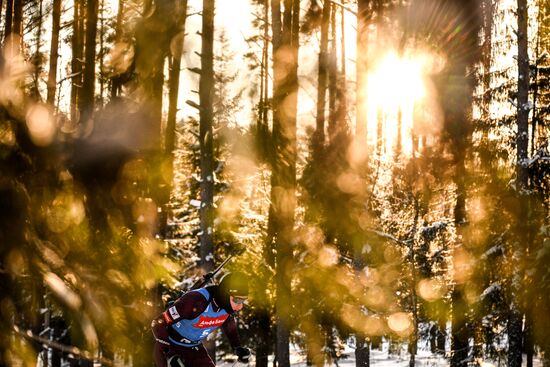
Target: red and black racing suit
column 189, row 306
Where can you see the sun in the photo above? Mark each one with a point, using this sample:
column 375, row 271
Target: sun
column 397, row 81
column 396, row 86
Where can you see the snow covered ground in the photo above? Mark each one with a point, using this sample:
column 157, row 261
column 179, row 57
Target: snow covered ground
column 378, row 358
column 381, row 358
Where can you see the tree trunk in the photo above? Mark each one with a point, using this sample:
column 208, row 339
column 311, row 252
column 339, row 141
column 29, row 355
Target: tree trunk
column 523, row 95
column 152, row 43
column 459, row 333
column 455, row 88
column 87, row 92
column 515, row 321
column 206, row 139
column 37, row 59
column 101, row 50
column 481, row 335
column 115, row 81
column 9, row 19
column 264, row 339
column 284, row 164
column 263, row 314
column 276, row 42
column 362, row 348
column 441, row 334
column 265, row 64
column 14, row 23
column 1, row 7
column 170, row 133
column 262, row 126
column 363, row 19
column 319, row 138
column 76, row 63
column 343, row 109
column 362, row 352
column 413, row 342
column 529, row 342
column 380, row 120
column 17, row 26
column 14, row 218
column 54, row 55
column 206, row 90
column 537, row 60
column 332, row 77
column 488, row 14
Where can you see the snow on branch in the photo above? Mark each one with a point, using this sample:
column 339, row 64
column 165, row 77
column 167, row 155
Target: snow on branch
column 540, row 155
column 343, row 7
column 387, row 236
column 493, row 251
column 431, row 229
column 493, row 289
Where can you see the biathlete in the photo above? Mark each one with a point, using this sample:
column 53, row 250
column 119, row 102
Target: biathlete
column 180, row 330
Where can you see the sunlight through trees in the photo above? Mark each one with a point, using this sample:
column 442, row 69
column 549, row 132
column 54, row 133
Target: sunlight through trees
column 380, row 170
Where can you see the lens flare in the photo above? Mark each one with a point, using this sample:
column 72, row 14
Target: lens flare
column 400, row 322
column 431, row 290
column 41, row 125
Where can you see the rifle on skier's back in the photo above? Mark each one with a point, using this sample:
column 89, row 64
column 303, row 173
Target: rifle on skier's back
column 206, row 278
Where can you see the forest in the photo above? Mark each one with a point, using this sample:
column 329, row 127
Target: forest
column 380, row 169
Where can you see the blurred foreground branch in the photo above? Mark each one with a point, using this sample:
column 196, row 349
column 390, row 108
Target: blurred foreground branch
column 84, row 354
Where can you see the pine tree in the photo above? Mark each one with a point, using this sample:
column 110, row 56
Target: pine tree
column 206, row 137
column 87, row 92
column 8, row 19
column 37, row 58
column 1, row 7
column 456, row 84
column 319, row 138
column 176, row 50
column 77, row 48
column 17, row 26
column 264, row 311
column 283, row 178
column 54, row 54
column 515, row 321
column 116, row 84
column 363, row 20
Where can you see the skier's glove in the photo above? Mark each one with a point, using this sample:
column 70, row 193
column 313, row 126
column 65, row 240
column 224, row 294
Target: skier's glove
column 243, row 354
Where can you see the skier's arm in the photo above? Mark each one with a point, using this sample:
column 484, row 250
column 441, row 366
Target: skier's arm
column 229, row 328
column 188, row 307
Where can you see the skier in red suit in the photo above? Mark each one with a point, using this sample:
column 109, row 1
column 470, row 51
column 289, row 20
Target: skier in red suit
column 180, row 330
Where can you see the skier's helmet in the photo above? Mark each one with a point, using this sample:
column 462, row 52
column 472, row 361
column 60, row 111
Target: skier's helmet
column 234, row 284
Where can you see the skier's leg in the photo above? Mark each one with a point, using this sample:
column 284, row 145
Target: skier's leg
column 159, row 354
column 161, row 349
column 197, row 357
